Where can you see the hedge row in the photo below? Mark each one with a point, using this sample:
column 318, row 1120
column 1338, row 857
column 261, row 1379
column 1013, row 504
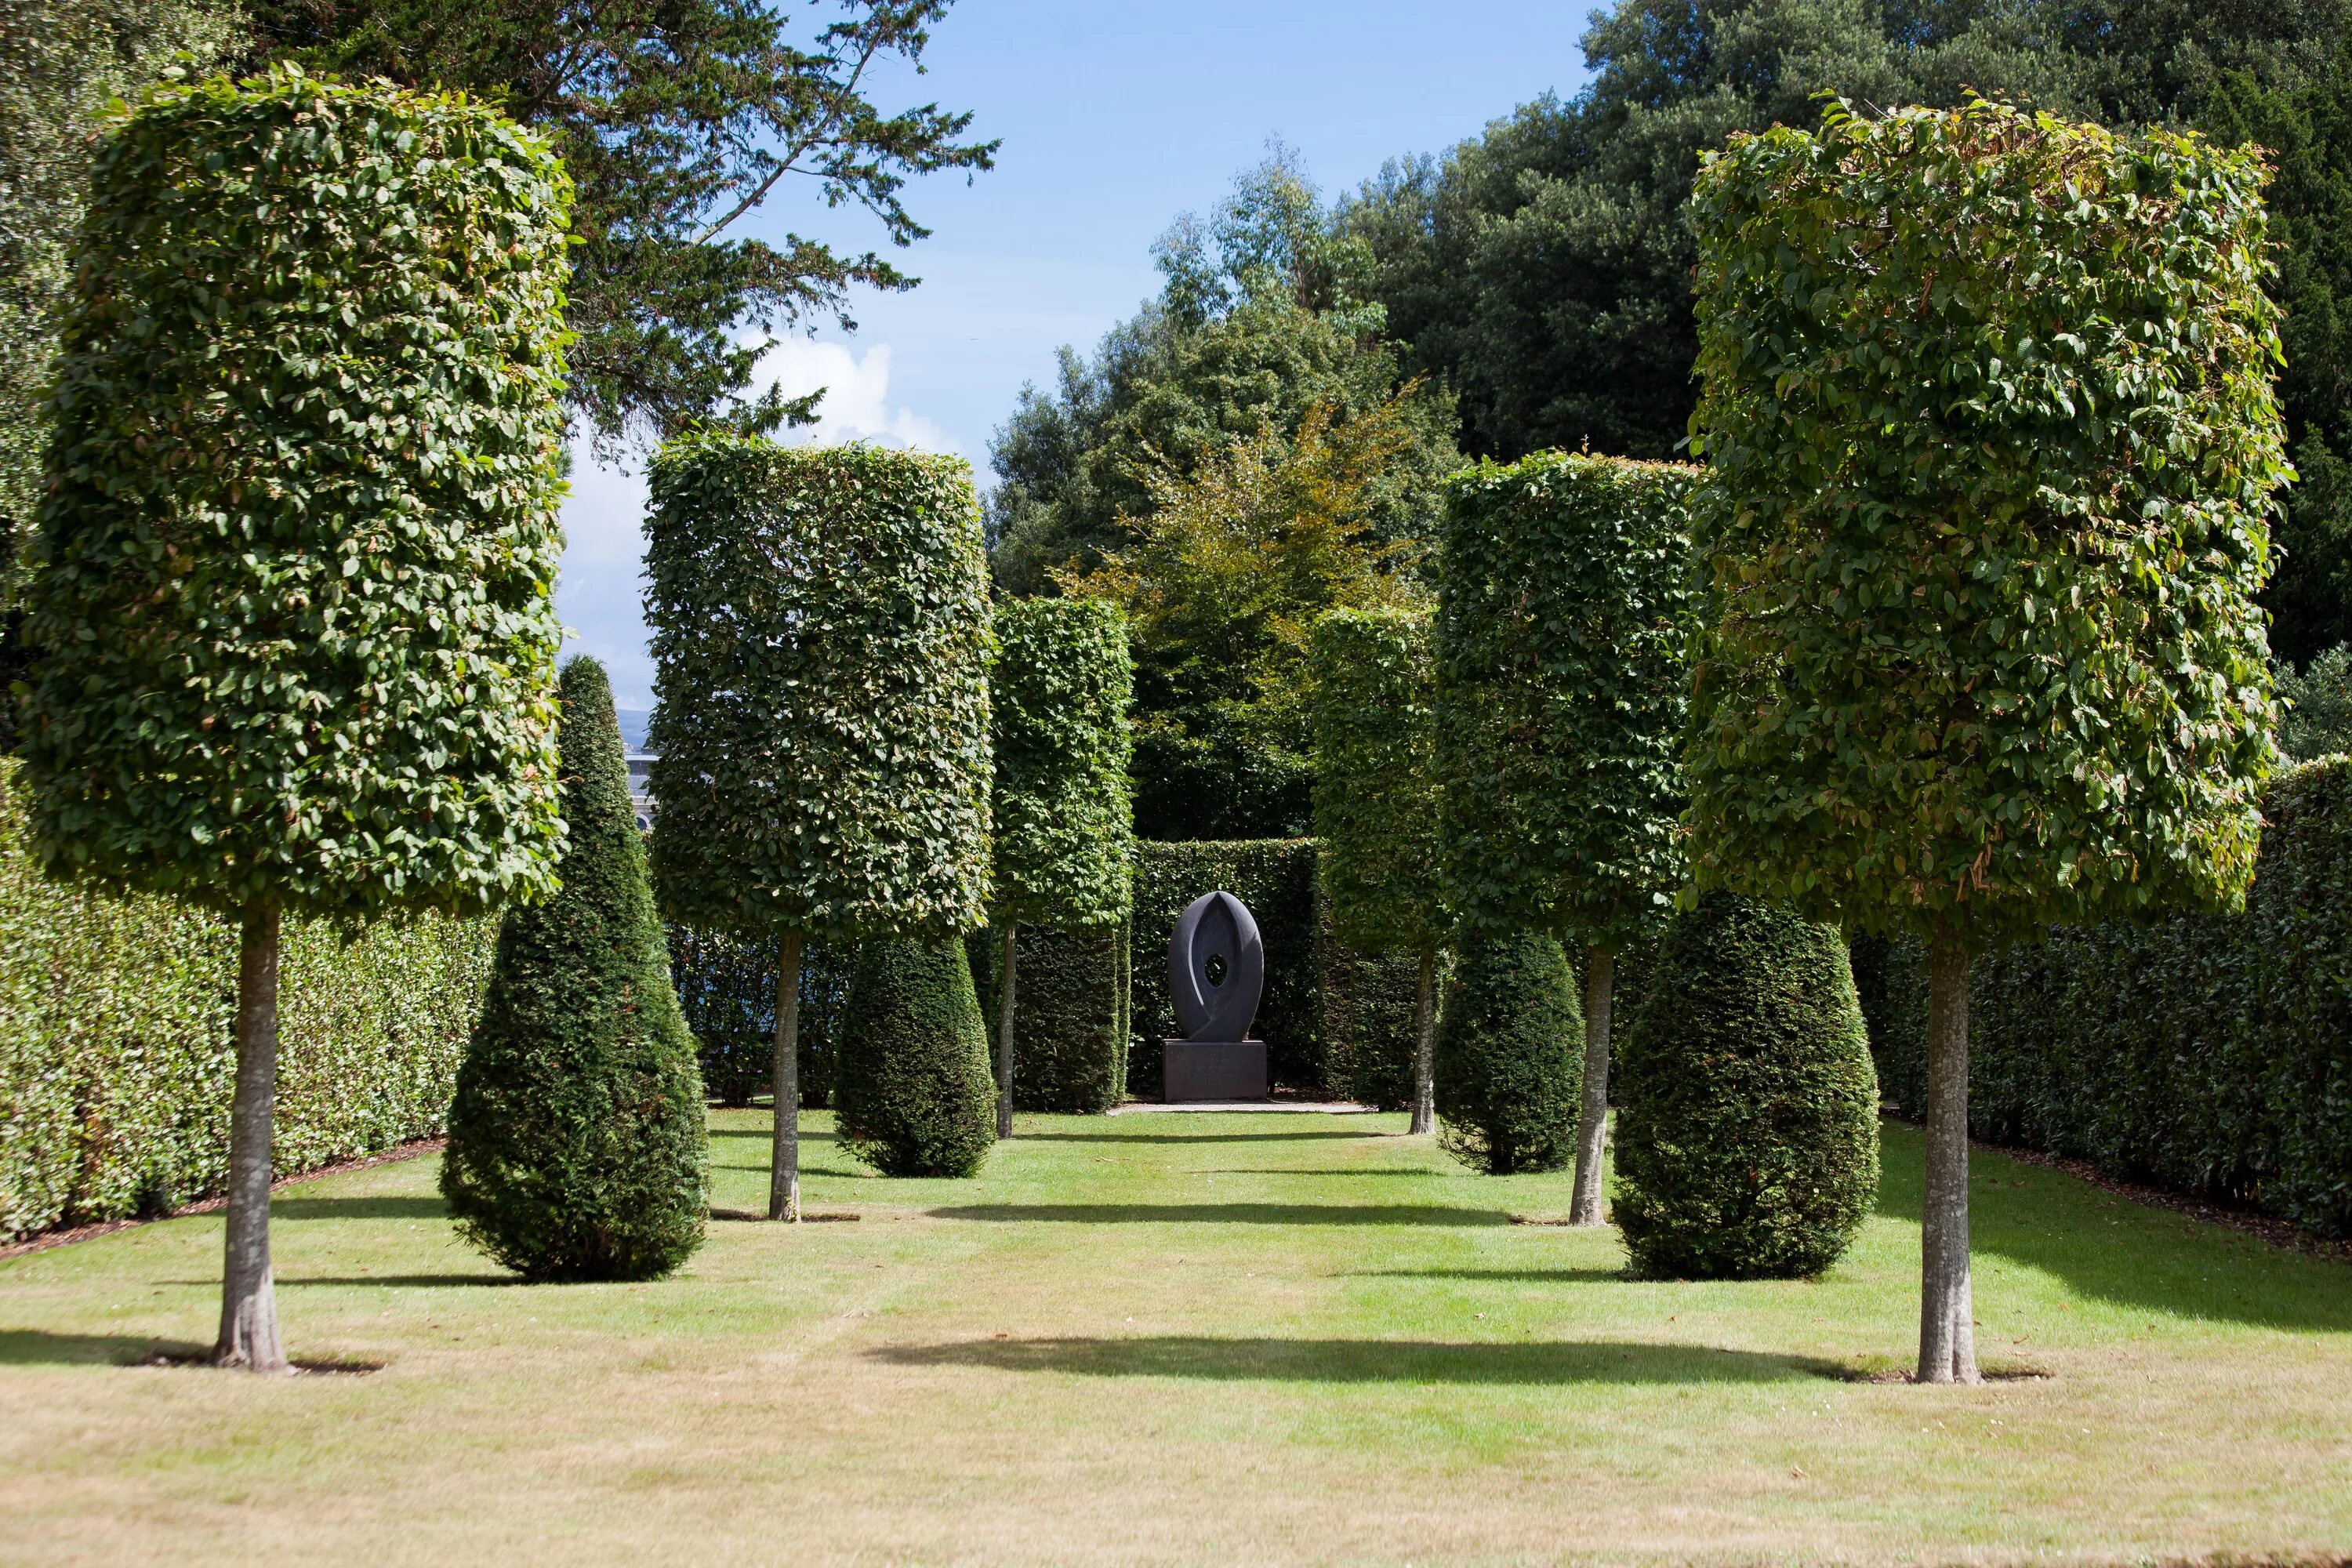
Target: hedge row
column 726, row 981
column 117, row 1052
column 1070, row 1004
column 2209, row 1056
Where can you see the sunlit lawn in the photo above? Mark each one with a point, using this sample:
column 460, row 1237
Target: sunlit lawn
column 1179, row 1338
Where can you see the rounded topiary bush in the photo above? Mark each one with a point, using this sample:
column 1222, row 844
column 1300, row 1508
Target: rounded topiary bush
column 1510, row 1056
column 1748, row 1112
column 577, row 1146
column 911, row 1087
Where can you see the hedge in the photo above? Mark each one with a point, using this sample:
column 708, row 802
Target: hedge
column 2209, row 1056
column 912, row 1094
column 1275, row 878
column 116, row 1049
column 1510, row 1056
column 1070, row 1012
column 726, row 982
column 1369, row 1003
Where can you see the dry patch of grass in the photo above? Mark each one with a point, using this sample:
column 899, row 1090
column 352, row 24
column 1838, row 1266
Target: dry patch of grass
column 1181, row 1339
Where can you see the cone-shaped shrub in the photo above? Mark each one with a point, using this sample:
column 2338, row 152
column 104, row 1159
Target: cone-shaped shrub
column 1510, row 1056
column 912, row 1088
column 577, row 1149
column 1748, row 1112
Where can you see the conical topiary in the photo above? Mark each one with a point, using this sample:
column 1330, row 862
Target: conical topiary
column 577, row 1144
column 1748, row 1112
column 1510, row 1056
column 911, row 1087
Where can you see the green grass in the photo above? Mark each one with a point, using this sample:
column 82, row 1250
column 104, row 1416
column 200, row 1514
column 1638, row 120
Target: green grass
column 1179, row 1339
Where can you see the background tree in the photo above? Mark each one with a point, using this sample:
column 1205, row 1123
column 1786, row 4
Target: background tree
column 1222, row 578
column 1063, row 823
column 1568, row 600
column 297, row 654
column 1376, row 801
column 675, row 118
column 577, row 1145
column 1991, row 441
column 1510, row 1055
column 821, row 718
column 1748, row 1132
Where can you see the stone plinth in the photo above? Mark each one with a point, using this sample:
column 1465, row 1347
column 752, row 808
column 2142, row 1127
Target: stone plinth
column 1213, row 1070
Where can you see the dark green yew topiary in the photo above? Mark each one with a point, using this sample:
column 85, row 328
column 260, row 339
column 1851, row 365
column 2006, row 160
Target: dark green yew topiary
column 912, row 1086
column 1510, row 1056
column 577, row 1147
column 1748, row 1112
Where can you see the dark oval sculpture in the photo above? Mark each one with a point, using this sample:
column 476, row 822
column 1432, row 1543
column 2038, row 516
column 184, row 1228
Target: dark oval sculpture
column 1216, row 967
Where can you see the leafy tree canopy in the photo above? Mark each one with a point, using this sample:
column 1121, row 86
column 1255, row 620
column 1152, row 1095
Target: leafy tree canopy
column 1222, row 575
column 677, row 119
column 1263, row 317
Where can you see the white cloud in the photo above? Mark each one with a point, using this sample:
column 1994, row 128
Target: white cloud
column 856, row 406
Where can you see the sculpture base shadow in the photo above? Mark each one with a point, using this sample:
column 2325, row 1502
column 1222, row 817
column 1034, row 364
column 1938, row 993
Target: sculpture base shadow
column 1213, row 1070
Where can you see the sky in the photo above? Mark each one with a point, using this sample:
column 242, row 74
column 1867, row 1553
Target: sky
column 1115, row 115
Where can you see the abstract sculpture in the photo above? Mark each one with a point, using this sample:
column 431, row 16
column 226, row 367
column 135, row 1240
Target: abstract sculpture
column 1216, row 970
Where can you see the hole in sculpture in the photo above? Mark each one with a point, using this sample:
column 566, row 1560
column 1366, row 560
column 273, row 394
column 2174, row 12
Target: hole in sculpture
column 1215, row 969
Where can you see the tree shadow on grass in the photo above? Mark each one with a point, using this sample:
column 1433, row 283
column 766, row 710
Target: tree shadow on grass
column 411, row 1281
column 2115, row 1250
column 1019, row 1137
column 1299, row 1171
column 36, row 1347
column 393, row 1207
column 1369, row 1360
column 1505, row 1275
column 1228, row 1213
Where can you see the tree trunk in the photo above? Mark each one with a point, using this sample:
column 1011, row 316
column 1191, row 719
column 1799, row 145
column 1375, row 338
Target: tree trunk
column 1592, row 1124
column 1947, row 1339
column 1004, row 1043
column 1424, row 1045
column 784, row 1155
column 248, row 1321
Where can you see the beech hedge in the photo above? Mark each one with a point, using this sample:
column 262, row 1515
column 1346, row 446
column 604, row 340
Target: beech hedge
column 118, row 1050
column 2208, row 1055
column 1070, row 1002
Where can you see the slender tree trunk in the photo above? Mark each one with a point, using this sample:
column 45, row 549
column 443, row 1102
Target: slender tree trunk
column 784, row 1157
column 1004, row 1043
column 248, row 1321
column 1592, row 1125
column 1424, row 1045
column 1947, row 1339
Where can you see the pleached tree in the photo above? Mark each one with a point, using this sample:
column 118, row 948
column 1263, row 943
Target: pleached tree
column 821, row 718
column 293, row 574
column 1376, row 801
column 1063, row 820
column 577, row 1145
column 1992, row 449
column 1568, row 601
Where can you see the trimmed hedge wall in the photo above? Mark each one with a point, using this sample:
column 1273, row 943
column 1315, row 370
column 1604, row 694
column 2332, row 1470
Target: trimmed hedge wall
column 726, row 982
column 116, row 1042
column 1069, row 1046
column 1368, row 1000
column 1275, row 878
column 2206, row 1055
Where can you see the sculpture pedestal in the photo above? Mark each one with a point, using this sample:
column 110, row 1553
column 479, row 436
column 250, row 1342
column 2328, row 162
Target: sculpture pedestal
column 1213, row 1070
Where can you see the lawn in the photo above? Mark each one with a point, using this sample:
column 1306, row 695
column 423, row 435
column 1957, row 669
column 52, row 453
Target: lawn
column 1183, row 1338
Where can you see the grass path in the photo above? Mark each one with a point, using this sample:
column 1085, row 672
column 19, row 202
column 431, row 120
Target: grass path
column 1179, row 1339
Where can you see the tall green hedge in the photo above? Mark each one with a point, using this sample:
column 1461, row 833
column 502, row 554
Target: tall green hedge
column 1370, row 1003
column 725, row 984
column 1063, row 825
column 1070, row 1001
column 2209, row 1055
column 117, row 1051
column 1747, row 1117
column 1275, row 878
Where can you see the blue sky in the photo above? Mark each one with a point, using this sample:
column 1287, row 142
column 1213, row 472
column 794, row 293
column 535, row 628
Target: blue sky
column 1116, row 115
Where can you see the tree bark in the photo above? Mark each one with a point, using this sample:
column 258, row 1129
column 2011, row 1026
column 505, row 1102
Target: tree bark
column 784, row 1155
column 1947, row 1341
column 248, row 1320
column 1592, row 1124
column 1004, row 1043
column 1424, row 1045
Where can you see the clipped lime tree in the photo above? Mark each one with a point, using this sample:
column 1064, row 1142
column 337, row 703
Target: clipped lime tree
column 1374, row 707
column 821, row 711
column 577, row 1144
column 1747, row 1118
column 292, row 576
column 1991, row 447
column 1567, row 605
column 1063, row 815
